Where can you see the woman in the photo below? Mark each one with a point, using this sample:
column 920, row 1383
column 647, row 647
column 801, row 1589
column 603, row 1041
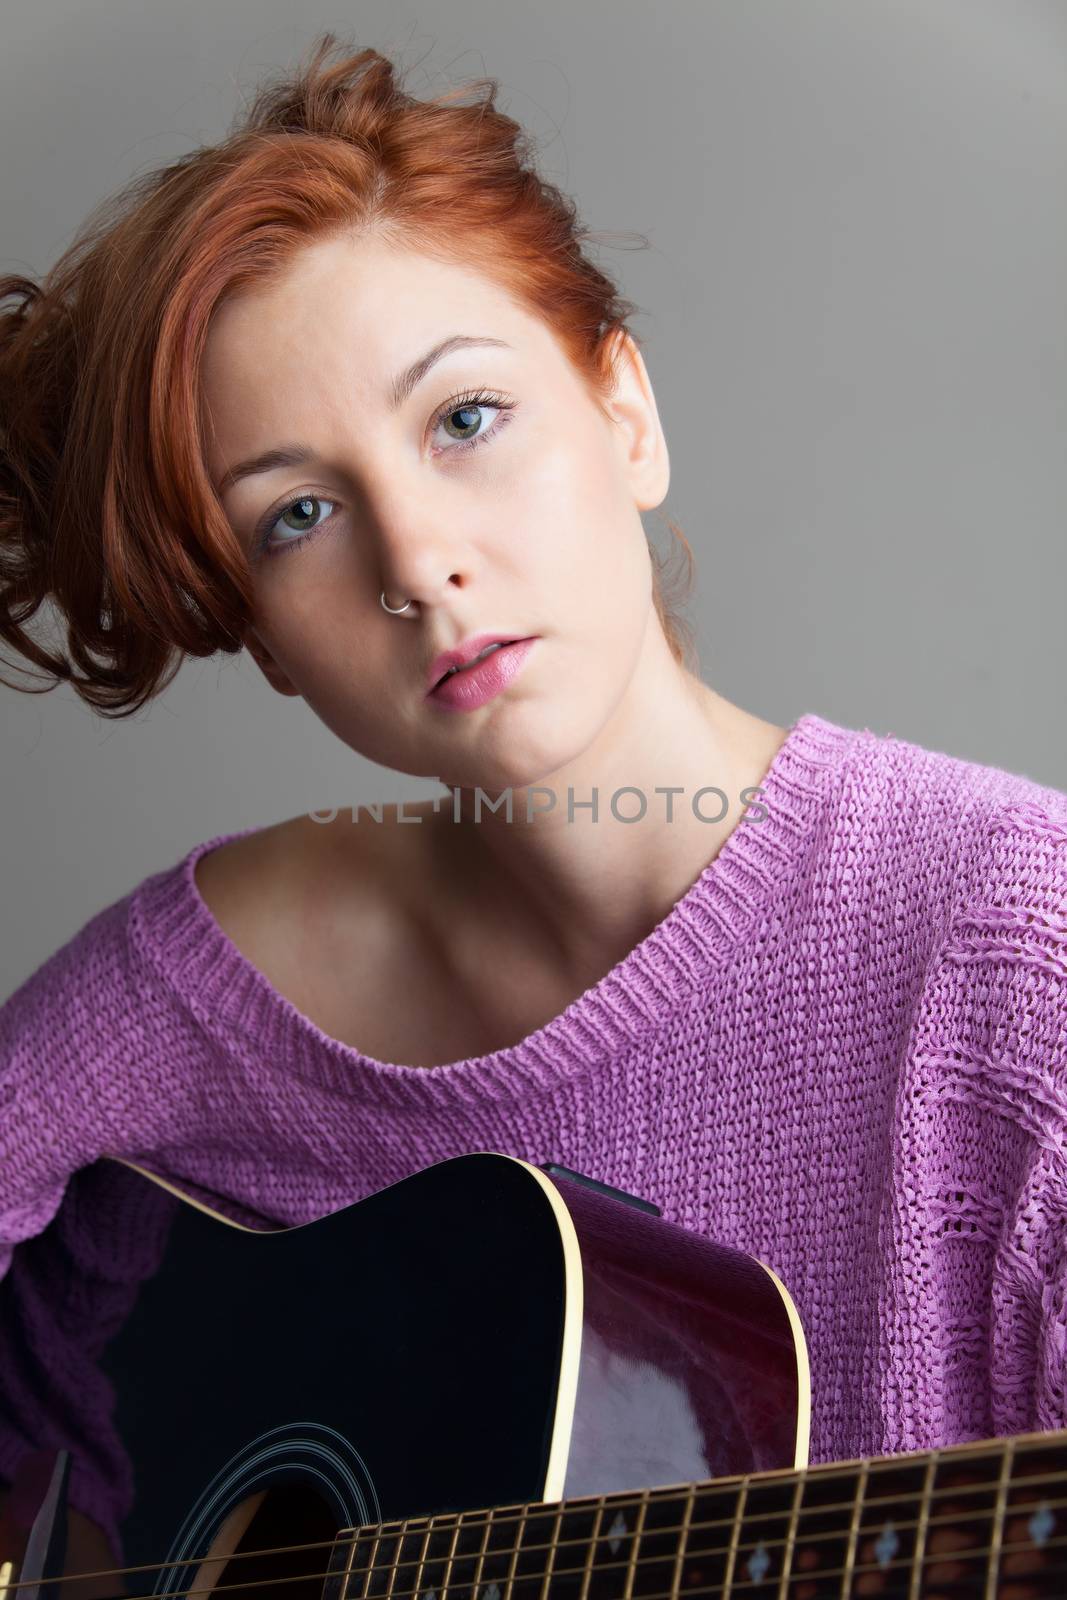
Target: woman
column 346, row 391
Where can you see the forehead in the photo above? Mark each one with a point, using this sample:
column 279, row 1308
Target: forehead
column 362, row 294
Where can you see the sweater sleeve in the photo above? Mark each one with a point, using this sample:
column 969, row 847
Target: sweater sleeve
column 1005, row 1062
column 977, row 1229
column 1027, row 1006
column 77, row 1234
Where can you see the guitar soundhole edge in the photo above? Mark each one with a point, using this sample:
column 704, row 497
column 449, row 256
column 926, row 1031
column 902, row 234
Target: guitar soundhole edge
column 289, row 1514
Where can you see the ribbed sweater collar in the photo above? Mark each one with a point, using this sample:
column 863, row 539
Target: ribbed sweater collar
column 242, row 1011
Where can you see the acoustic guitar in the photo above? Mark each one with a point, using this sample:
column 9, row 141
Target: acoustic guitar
column 497, row 1381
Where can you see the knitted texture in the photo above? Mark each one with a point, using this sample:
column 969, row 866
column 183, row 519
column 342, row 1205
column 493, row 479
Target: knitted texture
column 843, row 1051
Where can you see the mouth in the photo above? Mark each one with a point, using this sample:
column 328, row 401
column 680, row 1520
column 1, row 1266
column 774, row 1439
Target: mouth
column 490, row 649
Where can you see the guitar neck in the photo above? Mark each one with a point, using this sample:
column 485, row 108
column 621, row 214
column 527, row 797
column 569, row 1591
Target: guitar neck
column 982, row 1508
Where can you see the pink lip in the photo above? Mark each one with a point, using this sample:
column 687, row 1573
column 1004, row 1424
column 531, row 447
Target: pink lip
column 464, row 652
column 473, row 686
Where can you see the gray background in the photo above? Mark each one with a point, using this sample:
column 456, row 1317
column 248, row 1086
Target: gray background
column 853, row 315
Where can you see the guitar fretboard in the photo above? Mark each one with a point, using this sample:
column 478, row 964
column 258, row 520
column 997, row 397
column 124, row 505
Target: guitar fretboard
column 961, row 1521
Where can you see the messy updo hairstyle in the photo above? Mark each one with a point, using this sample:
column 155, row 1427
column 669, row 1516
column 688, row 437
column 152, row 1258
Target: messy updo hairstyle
column 107, row 510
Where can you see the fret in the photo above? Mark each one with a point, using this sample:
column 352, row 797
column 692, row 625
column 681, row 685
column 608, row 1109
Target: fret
column 405, row 1561
column 635, row 1540
column 613, row 1546
column 338, row 1568
column 386, row 1561
column 367, row 1543
column 887, row 1523
column 854, row 1531
column 915, row 1586
column 735, row 1536
column 769, row 1510
column 467, row 1553
column 959, row 1526
column 712, row 1532
column 566, row 1529
column 491, row 1588
column 587, row 1575
column 553, row 1550
column 449, row 1557
column 429, row 1580
column 372, row 1563
column 1036, row 1493
column 683, row 1540
column 820, row 1545
column 515, row 1552
column 790, row 1539
column 535, row 1552
column 406, row 1566
column 432, row 1565
column 531, row 1551
column 661, row 1530
column 998, row 1521
column 453, row 1544
column 1036, row 1513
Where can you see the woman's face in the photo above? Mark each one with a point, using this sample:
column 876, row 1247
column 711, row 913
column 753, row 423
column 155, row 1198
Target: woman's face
column 534, row 529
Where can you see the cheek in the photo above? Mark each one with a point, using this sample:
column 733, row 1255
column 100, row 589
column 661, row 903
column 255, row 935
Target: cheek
column 283, row 621
column 304, row 596
column 578, row 458
column 571, row 494
column 309, row 627
column 586, row 559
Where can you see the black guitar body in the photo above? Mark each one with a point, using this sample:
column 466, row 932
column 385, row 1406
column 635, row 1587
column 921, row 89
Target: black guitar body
column 480, row 1334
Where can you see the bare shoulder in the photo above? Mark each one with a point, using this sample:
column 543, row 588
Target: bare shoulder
column 245, row 877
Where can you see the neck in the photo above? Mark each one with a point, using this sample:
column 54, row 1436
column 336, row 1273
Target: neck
column 573, row 893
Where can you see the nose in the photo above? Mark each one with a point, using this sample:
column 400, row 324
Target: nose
column 410, row 605
column 423, row 552
column 421, row 573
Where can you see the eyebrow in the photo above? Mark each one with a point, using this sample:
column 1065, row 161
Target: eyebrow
column 294, row 455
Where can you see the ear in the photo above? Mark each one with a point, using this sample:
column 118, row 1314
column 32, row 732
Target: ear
column 632, row 406
column 267, row 664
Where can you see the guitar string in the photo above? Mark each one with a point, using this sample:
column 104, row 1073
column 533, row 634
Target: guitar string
column 410, row 1527
column 795, row 1577
column 1030, row 1447
column 804, row 1541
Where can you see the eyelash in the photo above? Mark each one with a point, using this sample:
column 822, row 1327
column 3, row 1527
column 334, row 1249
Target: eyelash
column 471, row 397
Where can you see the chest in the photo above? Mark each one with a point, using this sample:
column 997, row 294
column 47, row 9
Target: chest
column 368, row 971
column 425, row 998
column 411, row 1011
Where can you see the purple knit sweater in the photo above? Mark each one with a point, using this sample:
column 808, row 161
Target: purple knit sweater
column 843, row 1050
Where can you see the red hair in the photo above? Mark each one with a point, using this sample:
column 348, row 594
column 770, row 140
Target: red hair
column 106, row 507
